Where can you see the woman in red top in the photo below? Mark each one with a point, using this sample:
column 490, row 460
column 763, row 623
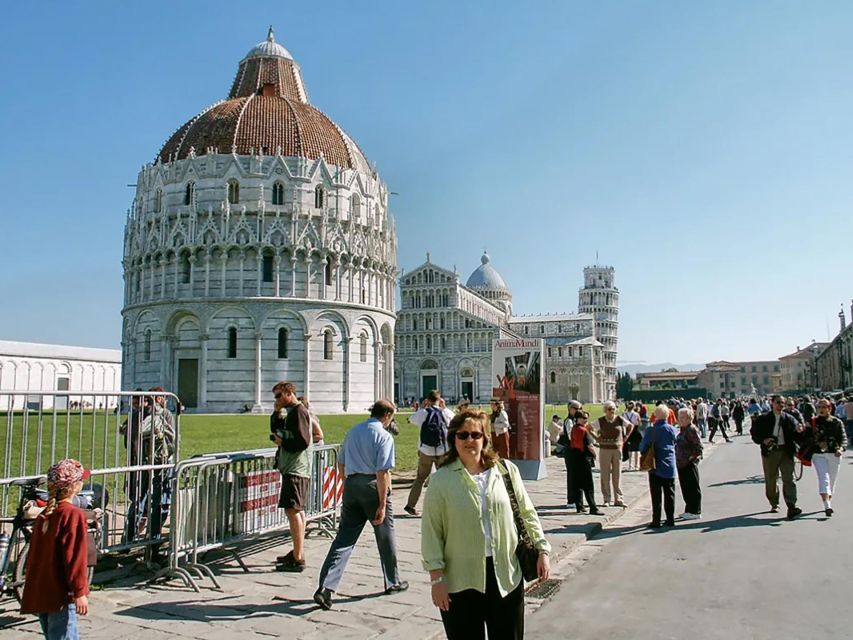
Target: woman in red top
column 57, row 582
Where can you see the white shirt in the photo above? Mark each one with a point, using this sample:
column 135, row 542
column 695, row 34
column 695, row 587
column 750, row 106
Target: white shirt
column 778, row 432
column 701, row 410
column 501, row 423
column 417, row 419
column 482, row 480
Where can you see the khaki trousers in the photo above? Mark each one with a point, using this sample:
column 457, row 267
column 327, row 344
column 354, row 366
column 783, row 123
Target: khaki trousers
column 425, row 463
column 774, row 463
column 610, row 461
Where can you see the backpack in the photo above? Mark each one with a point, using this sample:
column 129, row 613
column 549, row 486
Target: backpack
column 434, row 428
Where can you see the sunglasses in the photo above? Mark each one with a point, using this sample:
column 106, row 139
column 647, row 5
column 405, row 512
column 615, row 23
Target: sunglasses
column 474, row 435
column 277, row 396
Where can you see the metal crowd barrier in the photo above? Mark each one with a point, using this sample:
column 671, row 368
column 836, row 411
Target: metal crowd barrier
column 114, row 435
column 220, row 500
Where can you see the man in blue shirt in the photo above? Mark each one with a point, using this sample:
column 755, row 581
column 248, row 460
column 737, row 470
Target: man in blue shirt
column 365, row 459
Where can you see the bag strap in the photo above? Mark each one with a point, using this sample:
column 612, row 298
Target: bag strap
column 521, row 530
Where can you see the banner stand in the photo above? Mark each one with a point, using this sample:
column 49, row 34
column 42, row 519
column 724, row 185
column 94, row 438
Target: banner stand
column 519, row 382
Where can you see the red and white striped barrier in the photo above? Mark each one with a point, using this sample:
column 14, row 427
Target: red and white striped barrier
column 333, row 487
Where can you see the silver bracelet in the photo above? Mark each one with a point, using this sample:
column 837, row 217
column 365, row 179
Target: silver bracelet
column 436, row 581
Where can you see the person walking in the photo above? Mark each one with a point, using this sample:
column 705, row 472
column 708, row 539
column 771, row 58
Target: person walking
column 776, row 433
column 661, row 436
column 611, row 435
column 717, row 421
column 738, row 414
column 565, row 441
column 828, row 443
column 432, row 419
column 702, row 417
column 688, row 452
column 632, row 439
column 583, row 454
column 469, row 536
column 290, row 430
column 366, row 458
column 500, row 425
column 57, row 584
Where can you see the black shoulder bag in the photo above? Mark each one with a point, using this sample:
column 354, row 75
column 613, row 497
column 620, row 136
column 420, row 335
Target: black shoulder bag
column 527, row 554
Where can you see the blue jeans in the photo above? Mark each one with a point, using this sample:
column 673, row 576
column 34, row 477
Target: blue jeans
column 60, row 625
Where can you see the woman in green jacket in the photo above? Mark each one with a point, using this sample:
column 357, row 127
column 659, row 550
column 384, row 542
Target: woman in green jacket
column 468, row 536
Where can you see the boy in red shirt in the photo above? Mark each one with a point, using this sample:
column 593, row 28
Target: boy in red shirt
column 57, row 584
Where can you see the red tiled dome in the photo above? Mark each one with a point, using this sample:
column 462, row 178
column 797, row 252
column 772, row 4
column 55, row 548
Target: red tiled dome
column 266, row 111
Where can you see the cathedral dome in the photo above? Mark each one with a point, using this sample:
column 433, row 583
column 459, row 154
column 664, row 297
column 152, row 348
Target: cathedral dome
column 267, row 111
column 485, row 277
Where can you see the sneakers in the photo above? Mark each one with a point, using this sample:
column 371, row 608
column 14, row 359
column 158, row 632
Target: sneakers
column 828, row 511
column 619, row 503
column 581, row 509
column 397, row 588
column 655, row 525
column 793, row 512
column 690, row 516
column 323, row 597
column 410, row 510
column 774, row 508
column 571, row 505
column 290, row 564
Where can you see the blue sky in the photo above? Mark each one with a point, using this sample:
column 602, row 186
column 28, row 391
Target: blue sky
column 704, row 149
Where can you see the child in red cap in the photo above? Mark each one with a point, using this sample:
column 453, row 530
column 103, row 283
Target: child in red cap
column 57, row 584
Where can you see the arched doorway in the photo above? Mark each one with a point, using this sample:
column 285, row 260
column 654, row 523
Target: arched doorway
column 466, row 383
column 429, row 377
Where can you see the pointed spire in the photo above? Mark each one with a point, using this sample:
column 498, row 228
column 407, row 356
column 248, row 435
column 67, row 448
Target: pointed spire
column 271, row 35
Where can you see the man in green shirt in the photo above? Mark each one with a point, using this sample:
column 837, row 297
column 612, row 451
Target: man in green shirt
column 290, row 430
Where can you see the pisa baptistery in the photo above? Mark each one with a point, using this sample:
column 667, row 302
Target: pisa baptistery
column 259, row 248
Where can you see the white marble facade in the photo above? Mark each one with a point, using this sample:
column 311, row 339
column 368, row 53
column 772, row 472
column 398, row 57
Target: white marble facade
column 31, row 367
column 276, row 261
column 445, row 331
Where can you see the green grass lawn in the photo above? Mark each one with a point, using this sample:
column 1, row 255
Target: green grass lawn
column 94, row 439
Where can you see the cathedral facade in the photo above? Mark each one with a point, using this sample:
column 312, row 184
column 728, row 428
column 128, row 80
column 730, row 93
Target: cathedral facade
column 445, row 330
column 259, row 248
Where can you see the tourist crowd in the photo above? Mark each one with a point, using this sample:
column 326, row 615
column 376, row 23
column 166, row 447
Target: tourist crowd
column 481, row 537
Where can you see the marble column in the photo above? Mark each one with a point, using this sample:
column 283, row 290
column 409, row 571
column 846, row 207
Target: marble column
column 307, row 365
column 202, row 373
column 258, row 407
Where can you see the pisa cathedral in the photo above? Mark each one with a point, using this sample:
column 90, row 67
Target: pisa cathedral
column 259, row 247
column 445, row 330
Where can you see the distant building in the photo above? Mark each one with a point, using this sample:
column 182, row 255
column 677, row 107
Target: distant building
column 661, row 380
column 799, row 372
column 725, row 379
column 29, row 366
column 445, row 329
column 834, row 363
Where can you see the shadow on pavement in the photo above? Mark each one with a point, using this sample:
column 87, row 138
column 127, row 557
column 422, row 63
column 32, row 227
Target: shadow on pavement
column 750, row 480
column 194, row 610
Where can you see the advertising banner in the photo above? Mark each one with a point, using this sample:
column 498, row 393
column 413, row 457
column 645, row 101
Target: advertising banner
column 518, row 380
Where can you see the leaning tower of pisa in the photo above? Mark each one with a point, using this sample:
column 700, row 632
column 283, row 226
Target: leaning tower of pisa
column 600, row 297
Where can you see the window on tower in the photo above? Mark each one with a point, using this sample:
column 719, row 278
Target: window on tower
column 319, row 196
column 158, row 201
column 282, row 343
column 189, row 193
column 186, row 268
column 232, row 342
column 278, row 193
column 233, row 192
column 267, row 268
column 327, row 344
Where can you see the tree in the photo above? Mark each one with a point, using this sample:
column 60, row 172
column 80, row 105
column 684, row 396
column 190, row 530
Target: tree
column 624, row 385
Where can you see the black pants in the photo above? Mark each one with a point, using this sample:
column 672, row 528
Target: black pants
column 471, row 613
column 739, row 425
column 666, row 486
column 688, row 478
column 570, row 486
column 582, row 479
column 718, row 424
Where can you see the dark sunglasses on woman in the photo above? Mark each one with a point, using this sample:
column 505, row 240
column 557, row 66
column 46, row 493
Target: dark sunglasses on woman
column 464, row 435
